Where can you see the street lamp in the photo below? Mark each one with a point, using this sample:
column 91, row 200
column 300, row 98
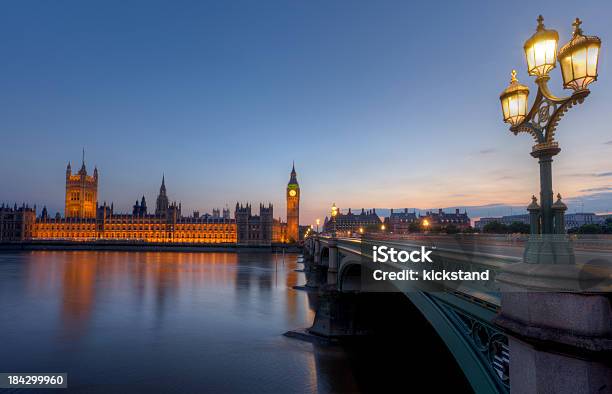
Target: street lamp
column 514, row 101
column 578, row 59
column 541, row 50
column 334, row 213
column 318, row 222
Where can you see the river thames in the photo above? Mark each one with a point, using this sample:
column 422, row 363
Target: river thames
column 185, row 322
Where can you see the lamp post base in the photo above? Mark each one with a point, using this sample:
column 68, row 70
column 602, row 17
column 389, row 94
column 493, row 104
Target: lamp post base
column 549, row 249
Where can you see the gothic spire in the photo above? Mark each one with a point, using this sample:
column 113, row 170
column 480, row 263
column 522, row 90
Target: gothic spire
column 162, row 189
column 83, row 170
column 293, row 179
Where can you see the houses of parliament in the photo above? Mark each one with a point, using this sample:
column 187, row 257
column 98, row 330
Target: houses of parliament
column 86, row 220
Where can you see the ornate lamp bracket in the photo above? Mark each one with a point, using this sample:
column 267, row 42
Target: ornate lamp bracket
column 544, row 116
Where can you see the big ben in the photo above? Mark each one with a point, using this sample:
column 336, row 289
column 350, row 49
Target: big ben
column 293, row 208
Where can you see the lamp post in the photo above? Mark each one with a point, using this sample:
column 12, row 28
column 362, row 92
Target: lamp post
column 425, row 224
column 578, row 59
column 334, row 213
column 318, row 222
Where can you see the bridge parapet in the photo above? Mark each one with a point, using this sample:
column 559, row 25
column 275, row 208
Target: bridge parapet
column 559, row 318
column 359, row 252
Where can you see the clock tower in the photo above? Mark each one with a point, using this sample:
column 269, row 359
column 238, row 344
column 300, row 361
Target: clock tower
column 293, row 208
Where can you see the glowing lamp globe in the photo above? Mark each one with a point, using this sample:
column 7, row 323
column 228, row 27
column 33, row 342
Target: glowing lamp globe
column 334, row 210
column 578, row 59
column 514, row 101
column 541, row 50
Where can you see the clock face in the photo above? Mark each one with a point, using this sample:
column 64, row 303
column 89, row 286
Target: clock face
column 292, row 193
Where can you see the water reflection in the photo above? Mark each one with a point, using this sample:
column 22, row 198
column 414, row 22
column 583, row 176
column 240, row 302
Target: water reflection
column 184, row 322
column 162, row 321
column 154, row 280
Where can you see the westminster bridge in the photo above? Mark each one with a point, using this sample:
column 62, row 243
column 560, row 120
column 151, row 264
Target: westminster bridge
column 530, row 328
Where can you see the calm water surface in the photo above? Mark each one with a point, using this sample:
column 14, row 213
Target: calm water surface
column 173, row 322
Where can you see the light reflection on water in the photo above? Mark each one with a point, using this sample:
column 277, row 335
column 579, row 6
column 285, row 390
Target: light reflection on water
column 172, row 322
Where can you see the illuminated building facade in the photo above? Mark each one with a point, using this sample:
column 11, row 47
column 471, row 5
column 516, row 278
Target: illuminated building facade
column 399, row 222
column 350, row 222
column 81, row 193
column 442, row 220
column 293, row 207
column 166, row 225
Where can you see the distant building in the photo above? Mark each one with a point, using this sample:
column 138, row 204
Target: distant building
column 576, row 220
column 399, row 222
column 84, row 220
column 442, row 219
column 352, row 222
column 572, row 220
column 303, row 230
column 507, row 220
column 16, row 224
column 482, row 222
column 256, row 229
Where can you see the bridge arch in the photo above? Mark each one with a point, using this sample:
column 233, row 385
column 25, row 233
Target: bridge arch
column 349, row 277
column 461, row 333
column 478, row 348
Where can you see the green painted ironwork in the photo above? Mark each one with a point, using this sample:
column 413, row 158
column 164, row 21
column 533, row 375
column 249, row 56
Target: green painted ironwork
column 464, row 323
column 480, row 349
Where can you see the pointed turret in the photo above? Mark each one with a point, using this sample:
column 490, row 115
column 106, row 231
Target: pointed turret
column 293, row 178
column 83, row 170
column 162, row 204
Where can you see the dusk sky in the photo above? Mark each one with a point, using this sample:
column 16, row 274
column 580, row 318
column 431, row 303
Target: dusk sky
column 380, row 104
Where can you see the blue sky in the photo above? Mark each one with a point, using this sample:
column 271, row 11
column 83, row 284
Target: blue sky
column 379, row 103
